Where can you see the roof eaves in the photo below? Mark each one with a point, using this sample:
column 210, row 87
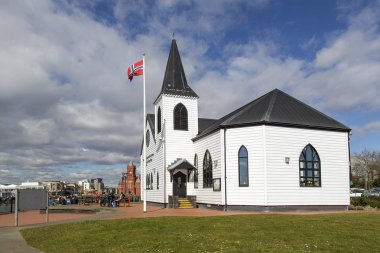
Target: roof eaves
column 337, row 129
column 290, row 125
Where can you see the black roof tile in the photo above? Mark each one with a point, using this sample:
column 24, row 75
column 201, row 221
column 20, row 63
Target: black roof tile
column 204, row 123
column 150, row 119
column 276, row 108
column 175, row 82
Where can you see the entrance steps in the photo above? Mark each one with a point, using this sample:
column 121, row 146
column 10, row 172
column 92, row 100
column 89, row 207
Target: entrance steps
column 184, row 203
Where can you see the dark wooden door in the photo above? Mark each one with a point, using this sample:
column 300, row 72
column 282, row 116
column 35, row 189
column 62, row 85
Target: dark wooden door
column 179, row 185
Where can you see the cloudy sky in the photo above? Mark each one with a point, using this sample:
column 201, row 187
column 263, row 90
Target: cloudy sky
column 68, row 111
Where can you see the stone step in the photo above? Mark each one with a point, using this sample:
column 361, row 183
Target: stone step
column 184, row 203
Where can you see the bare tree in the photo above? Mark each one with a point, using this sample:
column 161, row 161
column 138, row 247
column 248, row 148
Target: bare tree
column 366, row 164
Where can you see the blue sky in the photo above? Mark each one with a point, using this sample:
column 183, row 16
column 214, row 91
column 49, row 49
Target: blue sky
column 68, row 111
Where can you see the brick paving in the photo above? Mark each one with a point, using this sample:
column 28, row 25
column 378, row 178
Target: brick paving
column 34, row 217
column 136, row 211
column 133, row 211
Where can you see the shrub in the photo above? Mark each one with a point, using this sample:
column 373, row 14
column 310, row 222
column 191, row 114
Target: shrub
column 373, row 201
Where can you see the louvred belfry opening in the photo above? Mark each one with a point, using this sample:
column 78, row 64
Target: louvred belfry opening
column 180, row 117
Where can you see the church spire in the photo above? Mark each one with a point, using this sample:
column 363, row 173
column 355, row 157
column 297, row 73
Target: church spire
column 175, row 82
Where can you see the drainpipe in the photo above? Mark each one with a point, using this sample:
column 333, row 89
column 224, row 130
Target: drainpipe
column 349, row 162
column 349, row 156
column 164, row 160
column 225, row 173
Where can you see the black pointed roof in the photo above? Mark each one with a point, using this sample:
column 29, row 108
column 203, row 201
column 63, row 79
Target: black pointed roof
column 150, row 119
column 175, row 82
column 276, row 108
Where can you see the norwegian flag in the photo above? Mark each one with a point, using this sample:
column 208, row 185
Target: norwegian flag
column 136, row 69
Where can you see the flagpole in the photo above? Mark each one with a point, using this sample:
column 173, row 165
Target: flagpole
column 144, row 134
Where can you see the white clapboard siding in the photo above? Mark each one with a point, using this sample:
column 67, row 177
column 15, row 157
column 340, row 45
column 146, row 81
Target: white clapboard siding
column 283, row 179
column 154, row 165
column 252, row 139
column 272, row 182
column 178, row 143
column 212, row 143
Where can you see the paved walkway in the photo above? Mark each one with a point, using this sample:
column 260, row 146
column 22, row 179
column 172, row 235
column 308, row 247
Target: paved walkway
column 12, row 241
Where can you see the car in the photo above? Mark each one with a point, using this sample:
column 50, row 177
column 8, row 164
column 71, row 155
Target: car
column 372, row 192
column 356, row 192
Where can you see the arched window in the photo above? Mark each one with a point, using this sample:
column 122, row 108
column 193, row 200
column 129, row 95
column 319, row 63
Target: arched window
column 207, row 170
column 196, row 171
column 147, row 138
column 243, row 167
column 158, row 181
column 310, row 167
column 159, row 120
column 180, row 117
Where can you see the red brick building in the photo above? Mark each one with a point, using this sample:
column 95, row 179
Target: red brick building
column 130, row 182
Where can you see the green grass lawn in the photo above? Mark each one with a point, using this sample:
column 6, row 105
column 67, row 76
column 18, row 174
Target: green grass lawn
column 351, row 232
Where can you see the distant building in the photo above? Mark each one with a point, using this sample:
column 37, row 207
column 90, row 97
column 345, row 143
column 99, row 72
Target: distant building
column 7, row 190
column 54, row 187
column 130, row 182
column 97, row 184
column 71, row 189
column 85, row 185
column 31, row 185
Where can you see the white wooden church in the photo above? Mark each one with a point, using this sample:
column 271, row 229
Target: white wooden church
column 274, row 153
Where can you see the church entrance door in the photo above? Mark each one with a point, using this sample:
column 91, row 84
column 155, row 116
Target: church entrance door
column 179, row 185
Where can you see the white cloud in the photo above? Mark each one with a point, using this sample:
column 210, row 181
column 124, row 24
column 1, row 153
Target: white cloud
column 38, row 131
column 63, row 85
column 369, row 128
column 310, row 44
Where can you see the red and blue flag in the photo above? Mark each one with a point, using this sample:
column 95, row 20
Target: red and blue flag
column 136, row 69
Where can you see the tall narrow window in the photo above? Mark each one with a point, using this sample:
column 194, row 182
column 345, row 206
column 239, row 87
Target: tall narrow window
column 158, row 181
column 151, row 181
column 207, row 170
column 180, row 117
column 147, row 138
column 159, row 120
column 243, row 167
column 196, row 171
column 310, row 167
column 147, row 182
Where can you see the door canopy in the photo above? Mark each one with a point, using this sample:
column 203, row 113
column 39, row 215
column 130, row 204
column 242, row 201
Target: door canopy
column 181, row 163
